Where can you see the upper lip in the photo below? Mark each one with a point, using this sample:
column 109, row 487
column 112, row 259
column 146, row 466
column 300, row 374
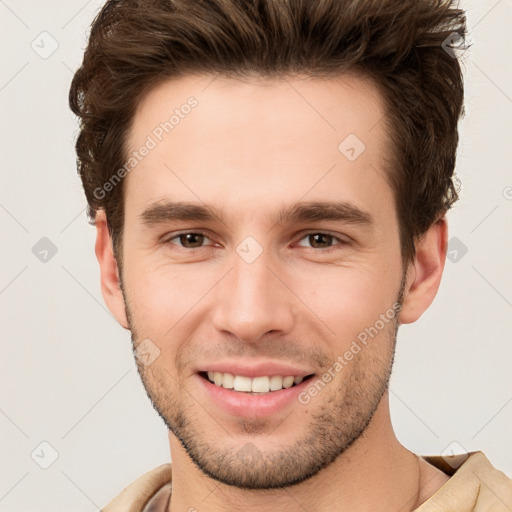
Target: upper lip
column 255, row 369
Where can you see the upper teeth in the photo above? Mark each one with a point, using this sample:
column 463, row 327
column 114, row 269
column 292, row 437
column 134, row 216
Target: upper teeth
column 257, row 384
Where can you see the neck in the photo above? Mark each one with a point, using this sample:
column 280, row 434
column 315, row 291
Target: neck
column 375, row 473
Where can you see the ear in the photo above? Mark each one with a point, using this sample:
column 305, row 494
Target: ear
column 425, row 272
column 110, row 284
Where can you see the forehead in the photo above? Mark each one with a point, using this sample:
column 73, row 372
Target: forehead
column 229, row 141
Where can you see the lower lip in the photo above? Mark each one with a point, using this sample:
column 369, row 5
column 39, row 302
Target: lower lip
column 245, row 404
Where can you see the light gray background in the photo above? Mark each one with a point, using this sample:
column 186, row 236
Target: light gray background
column 66, row 368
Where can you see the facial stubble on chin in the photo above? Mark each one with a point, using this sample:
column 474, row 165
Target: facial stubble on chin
column 335, row 422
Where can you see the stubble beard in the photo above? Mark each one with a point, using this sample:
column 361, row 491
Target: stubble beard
column 338, row 417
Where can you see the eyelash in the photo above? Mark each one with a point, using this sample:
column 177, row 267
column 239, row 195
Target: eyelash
column 341, row 242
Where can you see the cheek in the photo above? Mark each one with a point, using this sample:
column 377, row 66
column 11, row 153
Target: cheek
column 160, row 295
column 348, row 300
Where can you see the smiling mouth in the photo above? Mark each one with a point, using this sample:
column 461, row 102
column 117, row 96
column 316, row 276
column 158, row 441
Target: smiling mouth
column 255, row 385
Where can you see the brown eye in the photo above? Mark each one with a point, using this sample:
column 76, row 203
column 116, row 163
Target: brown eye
column 189, row 240
column 321, row 240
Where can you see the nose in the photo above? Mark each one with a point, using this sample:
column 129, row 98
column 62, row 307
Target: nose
column 253, row 300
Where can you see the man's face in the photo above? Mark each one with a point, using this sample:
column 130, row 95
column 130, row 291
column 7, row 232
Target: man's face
column 255, row 295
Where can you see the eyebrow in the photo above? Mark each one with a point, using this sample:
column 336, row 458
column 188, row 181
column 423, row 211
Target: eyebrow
column 315, row 211
column 312, row 211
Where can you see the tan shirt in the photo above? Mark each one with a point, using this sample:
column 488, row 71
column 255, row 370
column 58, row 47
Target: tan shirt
column 474, row 486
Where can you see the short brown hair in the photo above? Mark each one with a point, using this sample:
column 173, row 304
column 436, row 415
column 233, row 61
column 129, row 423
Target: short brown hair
column 401, row 45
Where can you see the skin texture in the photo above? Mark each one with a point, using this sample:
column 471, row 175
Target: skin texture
column 249, row 148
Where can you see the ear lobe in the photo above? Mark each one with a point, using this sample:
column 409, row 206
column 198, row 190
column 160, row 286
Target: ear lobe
column 109, row 272
column 425, row 272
